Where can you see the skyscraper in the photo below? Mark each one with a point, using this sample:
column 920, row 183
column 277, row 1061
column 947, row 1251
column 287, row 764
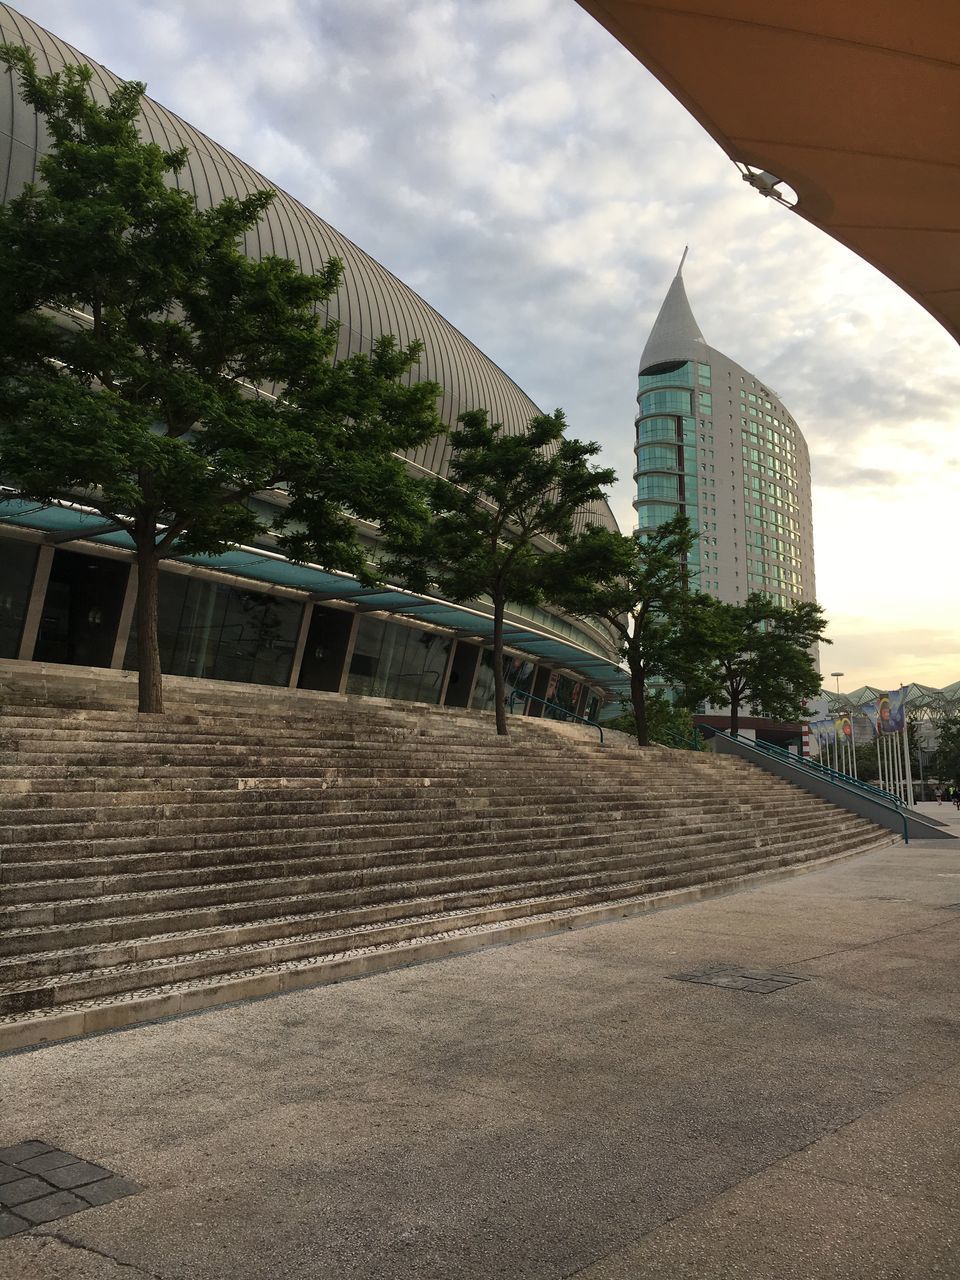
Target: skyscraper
column 714, row 441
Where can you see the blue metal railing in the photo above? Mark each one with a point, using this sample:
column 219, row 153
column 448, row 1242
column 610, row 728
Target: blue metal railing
column 826, row 771
column 554, row 706
column 884, row 798
column 674, row 739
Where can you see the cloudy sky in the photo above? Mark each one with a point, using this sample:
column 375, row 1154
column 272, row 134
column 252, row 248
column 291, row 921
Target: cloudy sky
column 521, row 171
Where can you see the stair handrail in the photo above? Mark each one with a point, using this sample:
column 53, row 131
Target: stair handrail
column 835, row 775
column 839, row 780
column 693, row 743
column 519, row 693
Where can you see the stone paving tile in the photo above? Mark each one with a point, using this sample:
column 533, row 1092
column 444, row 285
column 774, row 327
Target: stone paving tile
column 14, row 1193
column 11, row 1224
column 49, row 1160
column 107, row 1189
column 76, row 1175
column 40, row 1183
column 23, row 1151
column 759, row 981
column 48, row 1208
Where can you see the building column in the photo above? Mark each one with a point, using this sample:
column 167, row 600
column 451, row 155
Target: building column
column 301, row 645
column 125, row 625
column 31, row 621
column 348, row 655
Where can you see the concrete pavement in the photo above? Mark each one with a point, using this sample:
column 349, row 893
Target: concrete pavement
column 558, row 1108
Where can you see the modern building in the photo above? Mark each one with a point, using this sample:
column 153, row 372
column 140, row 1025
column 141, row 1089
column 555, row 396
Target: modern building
column 68, row 585
column 713, row 440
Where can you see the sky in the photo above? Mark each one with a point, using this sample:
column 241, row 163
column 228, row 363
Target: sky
column 520, row 170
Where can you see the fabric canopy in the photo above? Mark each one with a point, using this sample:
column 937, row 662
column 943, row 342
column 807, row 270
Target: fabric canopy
column 855, row 106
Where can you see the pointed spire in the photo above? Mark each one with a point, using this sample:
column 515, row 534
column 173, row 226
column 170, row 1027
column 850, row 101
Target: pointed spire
column 675, row 334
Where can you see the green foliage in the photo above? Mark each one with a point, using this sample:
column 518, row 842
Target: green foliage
column 506, row 499
column 946, row 759
column 667, row 722
column 152, row 371
column 639, row 586
column 757, row 654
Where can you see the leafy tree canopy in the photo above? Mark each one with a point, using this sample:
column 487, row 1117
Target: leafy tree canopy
column 507, row 501
column 639, row 586
column 946, row 760
column 152, row 371
column 756, row 654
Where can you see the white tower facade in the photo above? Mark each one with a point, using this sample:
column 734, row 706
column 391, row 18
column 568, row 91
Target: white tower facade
column 713, row 440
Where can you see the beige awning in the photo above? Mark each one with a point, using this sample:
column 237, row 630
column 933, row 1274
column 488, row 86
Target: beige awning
column 855, row 105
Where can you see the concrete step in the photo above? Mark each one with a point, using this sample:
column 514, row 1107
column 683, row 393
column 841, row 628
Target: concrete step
column 96, row 1000
column 131, row 916
column 375, row 836
column 137, row 873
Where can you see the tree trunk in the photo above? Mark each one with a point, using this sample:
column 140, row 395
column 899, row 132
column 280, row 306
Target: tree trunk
column 638, row 696
column 735, row 715
column 499, row 689
column 150, row 680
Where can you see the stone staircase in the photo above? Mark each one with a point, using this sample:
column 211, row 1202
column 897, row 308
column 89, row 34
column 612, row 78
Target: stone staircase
column 252, row 841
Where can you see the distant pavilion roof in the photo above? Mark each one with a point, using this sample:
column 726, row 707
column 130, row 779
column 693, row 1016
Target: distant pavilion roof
column 855, row 106
column 919, row 699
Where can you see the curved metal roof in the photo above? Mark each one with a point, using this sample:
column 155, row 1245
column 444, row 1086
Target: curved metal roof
column 370, row 302
column 854, row 105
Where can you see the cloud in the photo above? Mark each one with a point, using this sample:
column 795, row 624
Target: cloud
column 511, row 162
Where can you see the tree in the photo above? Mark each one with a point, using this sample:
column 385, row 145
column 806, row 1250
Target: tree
column 946, row 760
column 152, row 372
column 507, row 498
column 667, row 722
column 757, row 654
column 639, row 586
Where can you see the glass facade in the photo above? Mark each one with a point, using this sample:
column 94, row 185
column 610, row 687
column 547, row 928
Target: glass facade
column 656, row 457
column 393, row 661
column 667, row 443
column 650, row 514
column 677, row 373
column 518, row 677
column 659, row 429
column 223, row 632
column 81, row 609
column 678, row 402
column 19, row 563
column 658, row 486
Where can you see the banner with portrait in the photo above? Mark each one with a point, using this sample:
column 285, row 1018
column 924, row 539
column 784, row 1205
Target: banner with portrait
column 888, row 713
column 824, row 732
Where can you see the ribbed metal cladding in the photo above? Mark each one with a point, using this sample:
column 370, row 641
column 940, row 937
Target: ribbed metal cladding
column 370, row 301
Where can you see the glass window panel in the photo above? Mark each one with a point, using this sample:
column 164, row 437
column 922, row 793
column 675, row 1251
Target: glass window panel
column 658, row 486
column 661, row 429
column 393, row 661
column 657, row 458
column 81, row 609
column 649, row 515
column 666, row 402
column 19, row 563
column 672, row 374
column 223, row 632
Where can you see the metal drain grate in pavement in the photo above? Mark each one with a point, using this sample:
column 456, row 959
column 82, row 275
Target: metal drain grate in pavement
column 760, row 981
column 41, row 1183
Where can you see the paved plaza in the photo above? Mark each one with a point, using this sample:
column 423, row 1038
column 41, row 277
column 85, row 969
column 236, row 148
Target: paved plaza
column 574, row 1106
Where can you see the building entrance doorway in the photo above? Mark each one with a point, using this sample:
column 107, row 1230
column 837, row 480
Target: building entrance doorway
column 81, row 609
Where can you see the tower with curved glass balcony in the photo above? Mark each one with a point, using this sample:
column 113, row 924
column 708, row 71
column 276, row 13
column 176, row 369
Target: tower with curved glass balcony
column 713, row 441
